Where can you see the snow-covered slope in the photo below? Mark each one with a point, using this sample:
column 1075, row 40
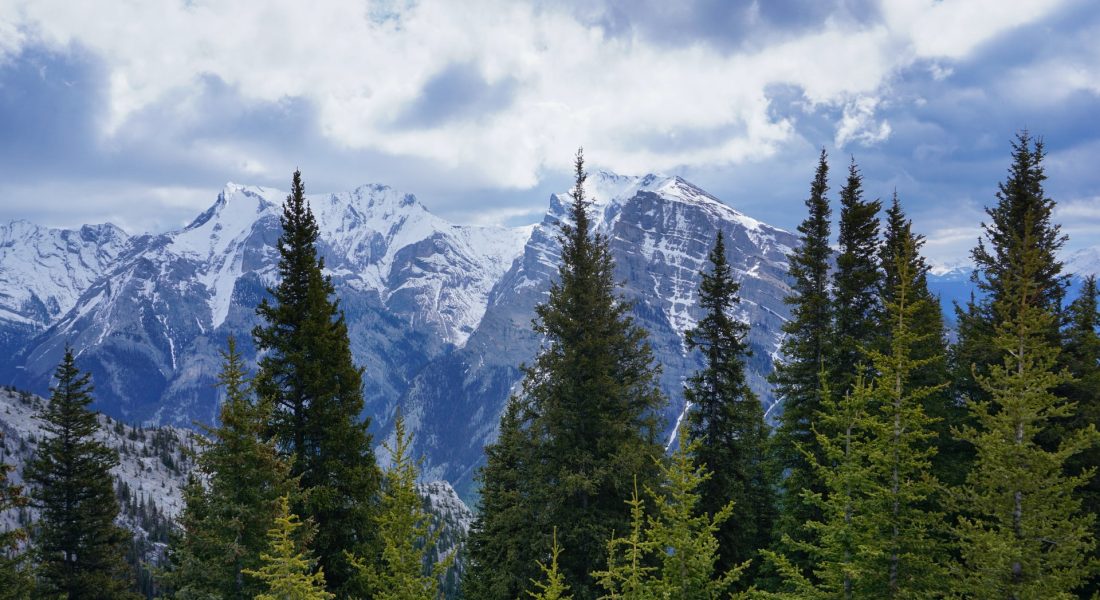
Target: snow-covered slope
column 411, row 284
column 1084, row 262
column 660, row 230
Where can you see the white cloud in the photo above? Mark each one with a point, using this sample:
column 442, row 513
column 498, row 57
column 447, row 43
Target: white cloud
column 858, row 124
column 362, row 66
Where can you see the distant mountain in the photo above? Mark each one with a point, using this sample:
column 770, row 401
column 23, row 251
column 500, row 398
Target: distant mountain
column 439, row 314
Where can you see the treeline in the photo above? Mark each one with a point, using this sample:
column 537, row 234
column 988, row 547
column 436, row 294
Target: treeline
column 902, row 466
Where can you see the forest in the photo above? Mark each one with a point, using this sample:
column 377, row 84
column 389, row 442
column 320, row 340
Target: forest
column 911, row 459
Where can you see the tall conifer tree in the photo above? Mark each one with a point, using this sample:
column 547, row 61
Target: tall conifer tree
column 227, row 515
column 1022, row 533
column 81, row 552
column 594, row 398
column 857, row 282
column 728, row 421
column 802, row 358
column 308, row 373
column 1022, row 210
column 502, row 545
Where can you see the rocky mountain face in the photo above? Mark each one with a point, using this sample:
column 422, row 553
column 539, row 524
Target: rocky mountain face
column 439, row 314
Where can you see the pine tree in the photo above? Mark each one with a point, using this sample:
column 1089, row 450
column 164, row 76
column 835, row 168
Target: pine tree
column 554, row 588
column 593, row 395
column 802, row 358
column 857, row 283
column 728, row 421
column 1022, row 533
column 1081, row 355
column 80, row 550
column 287, row 568
column 675, row 553
column 308, row 374
column 405, row 532
column 499, row 547
column 225, row 521
column 1022, row 211
column 16, row 582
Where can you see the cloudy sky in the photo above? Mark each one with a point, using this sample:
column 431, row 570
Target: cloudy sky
column 137, row 112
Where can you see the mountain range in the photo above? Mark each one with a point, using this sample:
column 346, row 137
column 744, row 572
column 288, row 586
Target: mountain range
column 439, row 314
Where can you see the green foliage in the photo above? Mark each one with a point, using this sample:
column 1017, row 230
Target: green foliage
column 308, row 375
column 1022, row 211
column 554, row 588
column 673, row 555
column 225, row 521
column 13, row 568
column 879, row 534
column 592, row 399
column 405, row 532
column 728, row 421
column 856, row 284
column 287, row 568
column 802, row 357
column 1022, row 533
column 80, row 551
column 500, row 544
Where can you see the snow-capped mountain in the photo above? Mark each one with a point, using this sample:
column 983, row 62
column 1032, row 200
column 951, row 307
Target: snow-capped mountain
column 44, row 271
column 660, row 230
column 150, row 327
column 439, row 315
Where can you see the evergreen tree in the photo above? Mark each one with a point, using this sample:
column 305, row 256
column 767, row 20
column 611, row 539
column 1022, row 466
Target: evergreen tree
column 308, row 374
column 1081, row 355
column 593, row 396
column 1022, row 211
column 499, row 547
column 673, row 555
column 287, row 568
column 554, row 588
column 80, row 550
column 857, row 283
column 225, row 521
column 802, row 358
column 1022, row 533
column 728, row 421
column 404, row 528
column 16, row 582
column 928, row 350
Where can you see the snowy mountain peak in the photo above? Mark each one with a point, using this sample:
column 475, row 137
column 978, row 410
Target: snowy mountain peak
column 1084, row 262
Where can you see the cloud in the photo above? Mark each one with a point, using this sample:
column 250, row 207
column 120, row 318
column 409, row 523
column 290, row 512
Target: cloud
column 506, row 89
column 859, row 125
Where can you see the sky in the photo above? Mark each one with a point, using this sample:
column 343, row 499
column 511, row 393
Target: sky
column 137, row 113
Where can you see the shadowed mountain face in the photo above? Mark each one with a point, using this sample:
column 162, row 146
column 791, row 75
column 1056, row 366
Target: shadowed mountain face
column 439, row 314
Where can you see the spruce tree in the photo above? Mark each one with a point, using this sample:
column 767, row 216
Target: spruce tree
column 288, row 570
column 1022, row 533
column 1081, row 355
column 856, row 283
column 728, row 420
column 593, row 396
column 80, row 551
column 929, row 348
column 15, row 582
column 1022, row 210
column 307, row 372
column 673, row 552
column 404, row 528
column 554, row 587
column 500, row 547
column 802, row 359
column 225, row 520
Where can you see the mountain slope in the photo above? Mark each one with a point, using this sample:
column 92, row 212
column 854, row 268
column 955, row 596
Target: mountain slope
column 660, row 230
